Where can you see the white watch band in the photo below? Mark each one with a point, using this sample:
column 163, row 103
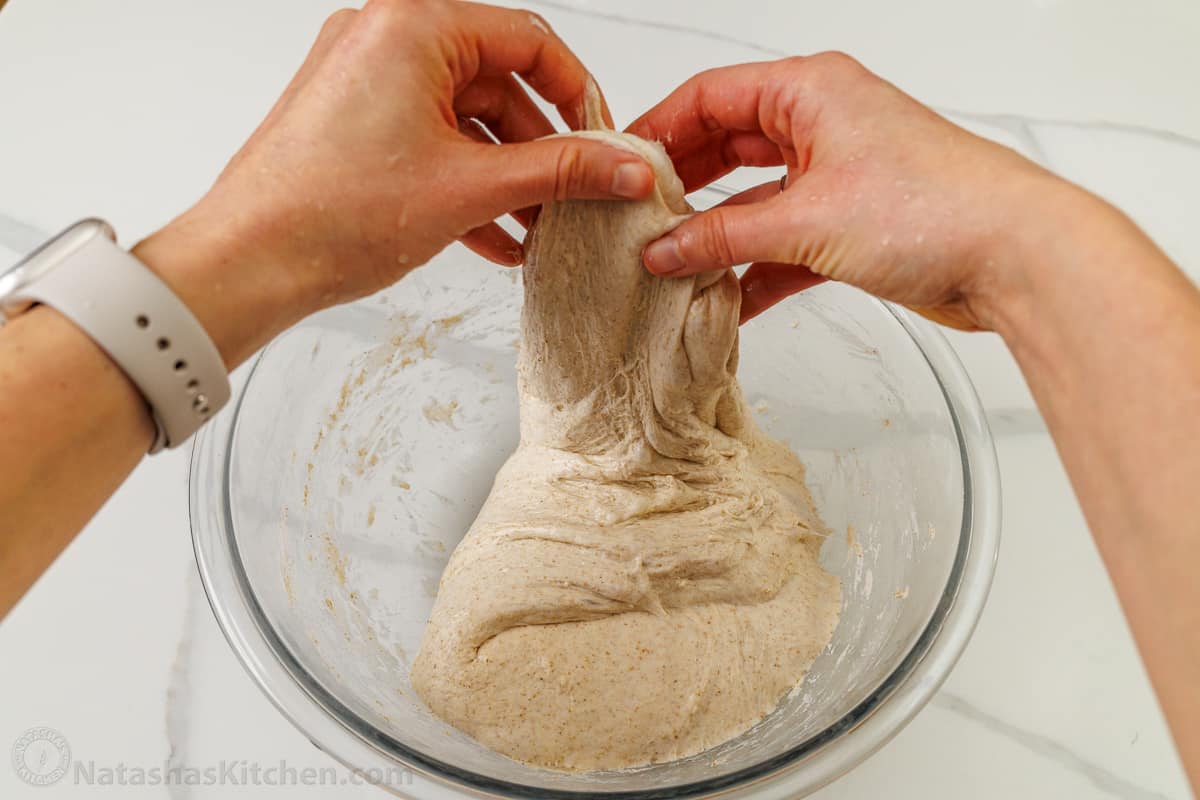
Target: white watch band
column 148, row 331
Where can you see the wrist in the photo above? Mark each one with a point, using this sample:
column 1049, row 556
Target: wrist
column 1046, row 240
column 222, row 268
column 1075, row 264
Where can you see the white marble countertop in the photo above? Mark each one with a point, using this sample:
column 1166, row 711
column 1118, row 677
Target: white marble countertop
column 128, row 110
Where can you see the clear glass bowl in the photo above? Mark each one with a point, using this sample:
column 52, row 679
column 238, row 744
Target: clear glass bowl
column 326, row 501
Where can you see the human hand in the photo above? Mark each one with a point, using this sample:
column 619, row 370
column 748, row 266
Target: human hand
column 378, row 155
column 880, row 192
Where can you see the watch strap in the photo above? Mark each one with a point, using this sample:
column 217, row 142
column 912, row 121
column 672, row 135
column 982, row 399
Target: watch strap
column 146, row 329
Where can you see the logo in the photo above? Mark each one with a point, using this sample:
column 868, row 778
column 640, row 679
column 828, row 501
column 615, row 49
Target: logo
column 41, row 756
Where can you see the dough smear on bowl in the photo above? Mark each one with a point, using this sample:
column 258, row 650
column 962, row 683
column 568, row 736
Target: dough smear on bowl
column 642, row 582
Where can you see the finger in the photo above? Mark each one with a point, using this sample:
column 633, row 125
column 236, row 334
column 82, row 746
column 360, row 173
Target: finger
column 509, row 40
column 721, row 154
column 746, row 98
column 475, row 131
column 525, row 217
column 723, row 99
column 765, row 283
column 504, row 107
column 559, row 168
column 755, row 194
column 729, row 235
column 493, row 243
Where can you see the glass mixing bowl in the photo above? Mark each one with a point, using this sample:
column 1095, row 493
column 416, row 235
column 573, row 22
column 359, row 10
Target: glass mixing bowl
column 326, row 501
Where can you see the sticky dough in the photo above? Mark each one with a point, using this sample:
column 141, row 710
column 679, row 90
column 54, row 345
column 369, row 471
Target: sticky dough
column 642, row 582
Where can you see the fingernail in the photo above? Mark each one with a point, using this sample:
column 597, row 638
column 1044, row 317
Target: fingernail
column 630, row 181
column 663, row 257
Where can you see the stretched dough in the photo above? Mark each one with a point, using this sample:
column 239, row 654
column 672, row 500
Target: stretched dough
column 642, row 582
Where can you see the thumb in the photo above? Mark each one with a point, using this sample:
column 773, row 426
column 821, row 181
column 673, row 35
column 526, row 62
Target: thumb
column 559, row 168
column 726, row 236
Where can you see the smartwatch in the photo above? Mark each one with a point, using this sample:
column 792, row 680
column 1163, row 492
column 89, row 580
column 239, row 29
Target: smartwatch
column 133, row 316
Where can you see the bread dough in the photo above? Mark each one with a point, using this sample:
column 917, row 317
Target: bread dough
column 642, row 582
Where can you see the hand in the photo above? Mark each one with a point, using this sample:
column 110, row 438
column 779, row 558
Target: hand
column 880, row 192
column 379, row 154
column 359, row 174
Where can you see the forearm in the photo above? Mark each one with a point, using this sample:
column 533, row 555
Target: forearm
column 73, row 426
column 1107, row 332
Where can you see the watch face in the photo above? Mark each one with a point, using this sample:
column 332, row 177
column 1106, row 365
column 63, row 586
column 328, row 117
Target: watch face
column 32, row 267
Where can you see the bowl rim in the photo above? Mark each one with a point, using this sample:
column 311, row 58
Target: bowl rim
column 379, row 759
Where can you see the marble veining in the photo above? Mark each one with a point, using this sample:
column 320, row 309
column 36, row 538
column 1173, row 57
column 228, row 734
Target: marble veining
column 179, row 697
column 1010, row 121
column 1015, row 421
column 1021, row 128
column 1046, row 747
column 185, row 734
